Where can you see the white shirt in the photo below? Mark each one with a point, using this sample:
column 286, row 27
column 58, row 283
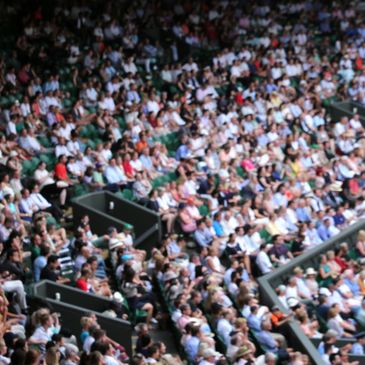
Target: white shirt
column 62, row 150
column 40, row 175
column 224, row 328
column 109, row 360
column 87, row 344
column 39, row 201
column 263, row 262
column 292, row 292
column 152, row 106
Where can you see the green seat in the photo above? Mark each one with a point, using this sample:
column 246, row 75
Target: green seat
column 128, row 194
column 353, row 254
column 4, row 101
column 91, row 144
column 136, row 316
column 265, row 235
column 45, row 158
column 241, row 172
column 121, row 121
column 80, row 189
column 171, row 176
column 19, row 127
column 91, row 109
column 44, row 141
column 101, row 243
column 51, row 220
column 26, row 166
column 156, row 183
column 203, row 210
column 11, row 99
column 67, row 103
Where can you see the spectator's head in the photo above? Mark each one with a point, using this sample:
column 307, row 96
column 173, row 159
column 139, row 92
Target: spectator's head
column 18, row 357
column 32, row 357
column 154, row 351
column 52, row 262
column 266, row 325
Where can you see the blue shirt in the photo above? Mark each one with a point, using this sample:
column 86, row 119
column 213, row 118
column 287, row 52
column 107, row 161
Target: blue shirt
column 39, row 263
column 146, row 162
column 270, row 88
column 254, row 323
column 323, row 232
column 357, row 349
column 203, row 237
column 302, row 214
column 182, row 152
column 339, row 219
column 218, row 229
column 353, row 286
column 266, row 339
column 192, row 347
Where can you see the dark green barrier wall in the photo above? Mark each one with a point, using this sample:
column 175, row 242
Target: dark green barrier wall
column 74, row 304
column 346, row 108
column 146, row 223
column 269, row 282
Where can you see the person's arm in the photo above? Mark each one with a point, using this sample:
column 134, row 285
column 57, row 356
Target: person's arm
column 284, row 320
column 323, row 274
column 211, row 267
column 347, row 326
column 33, row 340
column 63, row 280
column 273, row 257
column 360, row 248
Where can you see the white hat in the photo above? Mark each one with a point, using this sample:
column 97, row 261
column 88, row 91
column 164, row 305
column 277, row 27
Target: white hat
column 117, row 297
column 115, row 243
column 170, row 275
column 325, row 291
column 13, row 154
column 310, row 271
column 336, row 186
column 292, row 302
column 281, row 288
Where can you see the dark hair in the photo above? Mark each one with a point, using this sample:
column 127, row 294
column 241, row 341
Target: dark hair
column 45, row 249
column 102, row 347
column 91, row 259
column 52, row 259
column 31, row 357
column 153, row 349
column 18, row 357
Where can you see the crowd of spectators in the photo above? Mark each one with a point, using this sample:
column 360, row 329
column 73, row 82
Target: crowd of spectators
column 211, row 113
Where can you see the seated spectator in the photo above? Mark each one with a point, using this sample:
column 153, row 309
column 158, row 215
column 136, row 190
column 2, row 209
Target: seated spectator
column 50, row 271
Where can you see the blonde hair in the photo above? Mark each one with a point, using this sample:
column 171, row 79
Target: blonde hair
column 361, row 235
column 85, row 321
column 37, row 315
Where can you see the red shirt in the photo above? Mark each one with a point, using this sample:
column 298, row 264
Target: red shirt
column 128, row 169
column 354, row 186
column 23, row 76
column 140, row 145
column 36, row 108
column 60, row 171
column 342, row 263
column 358, row 63
column 82, row 284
